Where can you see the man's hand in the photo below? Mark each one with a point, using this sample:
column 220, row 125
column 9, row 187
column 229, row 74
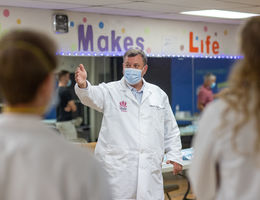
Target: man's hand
column 71, row 106
column 81, row 76
column 67, row 109
column 176, row 167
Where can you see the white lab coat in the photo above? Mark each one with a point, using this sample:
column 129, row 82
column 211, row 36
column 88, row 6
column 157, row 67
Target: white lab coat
column 37, row 164
column 133, row 137
column 239, row 175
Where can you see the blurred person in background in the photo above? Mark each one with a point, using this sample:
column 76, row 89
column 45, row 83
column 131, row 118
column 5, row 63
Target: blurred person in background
column 65, row 107
column 226, row 163
column 35, row 162
column 205, row 94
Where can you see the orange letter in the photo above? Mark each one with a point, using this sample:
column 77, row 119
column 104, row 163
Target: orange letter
column 215, row 47
column 207, row 43
column 192, row 49
column 202, row 46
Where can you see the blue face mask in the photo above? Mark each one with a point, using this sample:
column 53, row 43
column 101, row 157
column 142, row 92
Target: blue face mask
column 132, row 76
column 69, row 83
column 213, row 85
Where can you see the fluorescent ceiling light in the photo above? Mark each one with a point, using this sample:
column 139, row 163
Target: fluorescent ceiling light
column 220, row 14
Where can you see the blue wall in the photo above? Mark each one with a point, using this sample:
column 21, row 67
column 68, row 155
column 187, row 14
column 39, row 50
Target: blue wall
column 181, row 80
column 187, row 76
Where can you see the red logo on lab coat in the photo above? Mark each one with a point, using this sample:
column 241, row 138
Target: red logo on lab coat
column 123, row 106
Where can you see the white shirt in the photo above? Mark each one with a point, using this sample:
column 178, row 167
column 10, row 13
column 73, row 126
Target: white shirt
column 239, row 174
column 37, row 164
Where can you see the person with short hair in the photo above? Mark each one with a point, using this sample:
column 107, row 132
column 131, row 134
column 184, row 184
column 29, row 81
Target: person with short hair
column 65, row 107
column 226, row 163
column 205, row 94
column 138, row 128
column 35, row 162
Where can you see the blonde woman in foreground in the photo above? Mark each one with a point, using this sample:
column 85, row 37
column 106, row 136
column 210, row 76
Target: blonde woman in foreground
column 226, row 164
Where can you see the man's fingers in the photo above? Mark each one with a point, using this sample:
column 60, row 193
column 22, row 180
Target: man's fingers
column 81, row 67
column 176, row 167
column 176, row 171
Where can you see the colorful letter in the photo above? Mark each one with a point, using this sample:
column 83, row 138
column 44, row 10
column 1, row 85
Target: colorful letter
column 128, row 43
column 85, row 40
column 192, row 48
column 215, row 47
column 115, row 41
column 208, row 43
column 139, row 42
column 105, row 39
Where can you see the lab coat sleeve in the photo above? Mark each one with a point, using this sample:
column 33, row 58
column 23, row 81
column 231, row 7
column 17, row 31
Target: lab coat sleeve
column 202, row 172
column 172, row 140
column 92, row 96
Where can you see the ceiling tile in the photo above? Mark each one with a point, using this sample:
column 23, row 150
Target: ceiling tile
column 164, row 9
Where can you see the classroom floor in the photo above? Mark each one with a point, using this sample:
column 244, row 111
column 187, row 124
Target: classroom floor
column 177, row 194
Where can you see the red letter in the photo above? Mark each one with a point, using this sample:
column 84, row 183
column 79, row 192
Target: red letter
column 193, row 49
column 215, row 47
column 202, row 46
column 207, row 43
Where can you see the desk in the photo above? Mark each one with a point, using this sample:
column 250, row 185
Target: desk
column 186, row 132
column 191, row 118
column 50, row 122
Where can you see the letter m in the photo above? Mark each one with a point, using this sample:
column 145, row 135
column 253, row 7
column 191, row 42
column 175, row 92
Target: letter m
column 85, row 41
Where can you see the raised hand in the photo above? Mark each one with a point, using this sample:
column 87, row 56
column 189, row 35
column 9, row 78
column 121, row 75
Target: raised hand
column 81, row 76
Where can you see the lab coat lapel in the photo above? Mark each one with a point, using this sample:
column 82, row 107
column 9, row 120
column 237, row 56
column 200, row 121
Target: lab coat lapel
column 147, row 92
column 127, row 91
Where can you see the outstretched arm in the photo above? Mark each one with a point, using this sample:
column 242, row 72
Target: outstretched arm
column 92, row 96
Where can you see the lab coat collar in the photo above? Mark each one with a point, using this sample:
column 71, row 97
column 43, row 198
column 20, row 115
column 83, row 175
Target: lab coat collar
column 146, row 90
column 125, row 87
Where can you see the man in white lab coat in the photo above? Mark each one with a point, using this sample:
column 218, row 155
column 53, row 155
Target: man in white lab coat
column 35, row 162
column 138, row 127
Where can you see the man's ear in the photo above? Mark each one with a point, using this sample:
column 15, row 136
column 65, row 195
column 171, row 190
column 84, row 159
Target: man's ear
column 145, row 69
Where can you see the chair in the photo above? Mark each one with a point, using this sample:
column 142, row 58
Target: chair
column 170, row 188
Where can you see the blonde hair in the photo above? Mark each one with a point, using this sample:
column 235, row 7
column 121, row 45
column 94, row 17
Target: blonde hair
column 244, row 92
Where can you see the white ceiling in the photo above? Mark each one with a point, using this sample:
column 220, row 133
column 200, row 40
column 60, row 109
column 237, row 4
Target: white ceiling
column 161, row 9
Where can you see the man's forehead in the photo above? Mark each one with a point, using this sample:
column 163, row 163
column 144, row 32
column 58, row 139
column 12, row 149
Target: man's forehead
column 134, row 58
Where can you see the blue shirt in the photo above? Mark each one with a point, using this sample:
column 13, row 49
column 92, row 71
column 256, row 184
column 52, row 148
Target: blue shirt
column 137, row 94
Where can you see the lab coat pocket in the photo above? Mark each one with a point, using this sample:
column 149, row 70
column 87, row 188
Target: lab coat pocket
column 156, row 180
column 157, row 114
column 120, row 165
column 115, row 160
column 156, row 164
column 157, row 111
